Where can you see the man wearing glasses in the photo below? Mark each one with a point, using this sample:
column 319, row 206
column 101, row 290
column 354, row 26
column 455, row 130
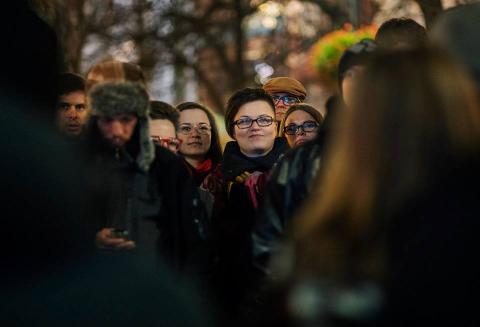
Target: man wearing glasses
column 285, row 92
column 163, row 125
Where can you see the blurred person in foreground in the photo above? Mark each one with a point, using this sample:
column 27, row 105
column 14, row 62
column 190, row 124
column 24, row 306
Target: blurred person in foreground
column 400, row 33
column 456, row 31
column 292, row 178
column 49, row 274
column 393, row 218
column 164, row 125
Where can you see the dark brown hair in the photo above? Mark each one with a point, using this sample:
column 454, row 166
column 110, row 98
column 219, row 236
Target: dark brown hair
column 241, row 97
column 415, row 109
column 163, row 110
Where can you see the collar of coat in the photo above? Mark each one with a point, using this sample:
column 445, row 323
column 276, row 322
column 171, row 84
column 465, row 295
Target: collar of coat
column 235, row 162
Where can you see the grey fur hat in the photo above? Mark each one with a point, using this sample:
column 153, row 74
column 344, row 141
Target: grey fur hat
column 113, row 98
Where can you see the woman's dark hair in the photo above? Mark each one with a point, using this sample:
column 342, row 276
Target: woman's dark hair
column 162, row 110
column 215, row 151
column 241, row 97
column 400, row 33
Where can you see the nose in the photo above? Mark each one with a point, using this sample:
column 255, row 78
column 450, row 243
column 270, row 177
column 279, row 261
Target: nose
column 300, row 131
column 72, row 112
column 115, row 128
column 194, row 133
column 255, row 125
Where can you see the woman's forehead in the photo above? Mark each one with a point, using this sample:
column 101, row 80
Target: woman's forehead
column 193, row 116
column 254, row 109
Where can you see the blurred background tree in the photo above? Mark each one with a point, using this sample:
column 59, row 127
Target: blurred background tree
column 206, row 49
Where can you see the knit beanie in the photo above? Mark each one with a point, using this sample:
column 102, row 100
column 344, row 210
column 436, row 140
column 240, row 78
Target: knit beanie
column 285, row 85
column 113, row 98
column 357, row 55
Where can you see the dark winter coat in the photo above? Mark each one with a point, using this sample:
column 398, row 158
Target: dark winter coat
column 288, row 186
column 160, row 207
column 234, row 214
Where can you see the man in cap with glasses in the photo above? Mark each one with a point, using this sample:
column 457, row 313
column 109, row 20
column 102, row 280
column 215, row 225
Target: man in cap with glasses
column 285, row 92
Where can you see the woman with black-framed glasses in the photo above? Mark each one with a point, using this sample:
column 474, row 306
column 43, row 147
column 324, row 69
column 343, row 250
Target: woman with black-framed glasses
column 300, row 124
column 238, row 186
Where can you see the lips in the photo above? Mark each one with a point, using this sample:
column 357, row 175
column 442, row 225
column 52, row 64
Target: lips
column 300, row 141
column 73, row 128
column 255, row 136
column 195, row 144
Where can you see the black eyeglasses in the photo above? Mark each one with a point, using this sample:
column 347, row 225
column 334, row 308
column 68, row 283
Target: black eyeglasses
column 247, row 122
column 308, row 126
column 287, row 100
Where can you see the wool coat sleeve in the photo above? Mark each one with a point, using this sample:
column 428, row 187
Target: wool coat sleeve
column 183, row 221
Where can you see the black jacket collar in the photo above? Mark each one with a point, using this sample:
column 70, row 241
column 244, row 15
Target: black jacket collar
column 235, row 162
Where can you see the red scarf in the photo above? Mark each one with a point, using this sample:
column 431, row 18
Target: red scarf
column 204, row 167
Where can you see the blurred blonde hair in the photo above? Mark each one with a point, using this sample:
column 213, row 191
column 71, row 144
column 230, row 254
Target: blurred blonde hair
column 414, row 109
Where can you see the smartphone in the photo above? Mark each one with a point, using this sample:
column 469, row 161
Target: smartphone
column 119, row 233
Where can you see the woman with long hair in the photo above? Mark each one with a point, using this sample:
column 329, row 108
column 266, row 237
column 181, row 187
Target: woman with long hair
column 200, row 147
column 393, row 204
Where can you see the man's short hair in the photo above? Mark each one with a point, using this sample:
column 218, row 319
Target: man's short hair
column 163, row 110
column 70, row 82
column 241, row 97
column 400, row 33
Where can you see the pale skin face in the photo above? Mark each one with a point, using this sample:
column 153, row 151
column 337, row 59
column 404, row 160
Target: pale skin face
column 351, row 76
column 280, row 107
column 117, row 130
column 163, row 129
column 298, row 117
column 72, row 113
column 195, row 144
column 255, row 141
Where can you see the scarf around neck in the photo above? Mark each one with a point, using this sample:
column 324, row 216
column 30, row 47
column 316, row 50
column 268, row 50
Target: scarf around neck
column 235, row 162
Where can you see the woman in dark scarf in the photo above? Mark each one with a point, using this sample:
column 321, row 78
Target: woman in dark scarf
column 237, row 186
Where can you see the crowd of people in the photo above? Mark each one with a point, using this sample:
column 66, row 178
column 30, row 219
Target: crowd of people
column 127, row 210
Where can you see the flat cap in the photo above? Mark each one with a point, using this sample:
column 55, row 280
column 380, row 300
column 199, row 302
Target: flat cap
column 285, row 85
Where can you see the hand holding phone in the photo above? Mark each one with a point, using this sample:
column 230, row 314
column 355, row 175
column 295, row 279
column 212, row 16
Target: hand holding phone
column 119, row 233
column 116, row 239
